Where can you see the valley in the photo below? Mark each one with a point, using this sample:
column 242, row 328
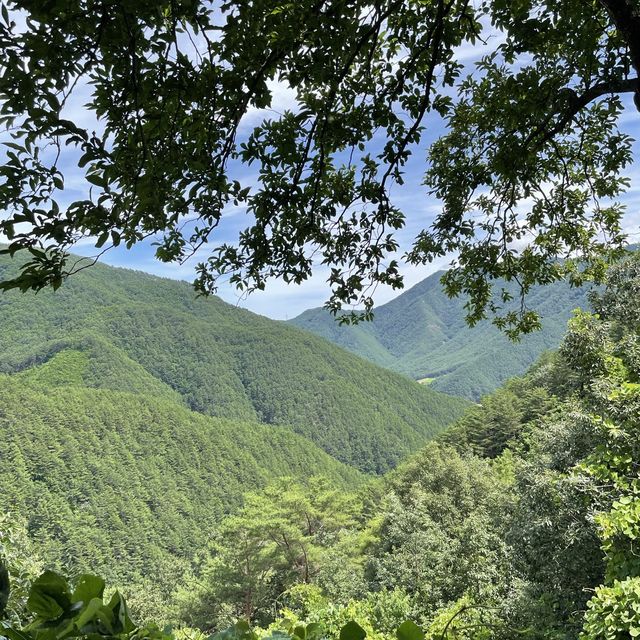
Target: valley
column 423, row 334
column 174, row 467
column 136, row 416
column 216, row 465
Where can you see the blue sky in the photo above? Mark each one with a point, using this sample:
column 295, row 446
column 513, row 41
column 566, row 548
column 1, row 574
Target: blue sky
column 280, row 300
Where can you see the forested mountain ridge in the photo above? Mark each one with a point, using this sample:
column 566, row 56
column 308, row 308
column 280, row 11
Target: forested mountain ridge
column 142, row 332
column 520, row 521
column 131, row 484
column 331, row 129
column 423, row 334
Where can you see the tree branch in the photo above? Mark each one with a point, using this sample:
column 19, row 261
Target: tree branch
column 579, row 102
column 626, row 17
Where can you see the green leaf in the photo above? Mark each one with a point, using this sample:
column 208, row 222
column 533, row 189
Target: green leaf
column 120, row 611
column 13, row 145
column 13, row 634
column 96, row 179
column 49, row 596
column 409, row 631
column 102, row 239
column 86, row 157
column 352, row 631
column 87, row 588
column 240, row 629
column 89, row 613
column 52, row 101
column 314, row 630
column 243, row 629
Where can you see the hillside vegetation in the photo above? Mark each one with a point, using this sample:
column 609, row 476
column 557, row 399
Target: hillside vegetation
column 131, row 484
column 521, row 521
column 135, row 417
column 422, row 333
column 133, row 332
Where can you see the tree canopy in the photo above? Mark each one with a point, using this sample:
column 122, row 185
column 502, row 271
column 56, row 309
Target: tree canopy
column 529, row 167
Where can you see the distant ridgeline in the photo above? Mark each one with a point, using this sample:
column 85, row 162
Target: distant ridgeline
column 134, row 415
column 422, row 333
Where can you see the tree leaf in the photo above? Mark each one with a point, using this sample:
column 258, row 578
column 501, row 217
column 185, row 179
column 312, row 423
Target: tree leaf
column 352, row 631
column 49, row 596
column 409, row 630
column 87, row 588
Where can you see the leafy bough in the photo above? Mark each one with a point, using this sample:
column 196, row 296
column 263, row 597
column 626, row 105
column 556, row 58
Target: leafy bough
column 59, row 612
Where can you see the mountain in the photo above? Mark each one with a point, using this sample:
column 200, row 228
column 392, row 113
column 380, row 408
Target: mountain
column 131, row 483
column 127, row 331
column 422, row 333
column 134, row 416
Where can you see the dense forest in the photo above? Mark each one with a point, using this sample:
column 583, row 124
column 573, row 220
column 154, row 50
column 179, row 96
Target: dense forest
column 135, row 416
column 423, row 334
column 174, row 468
column 149, row 334
column 520, row 520
column 132, row 484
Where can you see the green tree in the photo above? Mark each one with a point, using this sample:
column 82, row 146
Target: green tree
column 439, row 538
column 531, row 141
column 553, row 548
column 500, row 419
column 19, row 567
column 278, row 539
column 574, row 532
column 613, row 396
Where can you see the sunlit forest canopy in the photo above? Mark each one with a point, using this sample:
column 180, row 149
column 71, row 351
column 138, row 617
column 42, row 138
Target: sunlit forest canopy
column 520, row 520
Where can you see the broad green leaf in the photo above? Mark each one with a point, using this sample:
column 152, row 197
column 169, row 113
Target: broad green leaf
column 315, row 630
column 13, row 634
column 88, row 614
column 408, row 630
column 87, row 588
column 49, row 596
column 352, row 631
column 96, row 179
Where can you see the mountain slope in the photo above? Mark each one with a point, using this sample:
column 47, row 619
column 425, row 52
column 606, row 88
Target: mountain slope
column 149, row 334
column 422, row 333
column 131, row 484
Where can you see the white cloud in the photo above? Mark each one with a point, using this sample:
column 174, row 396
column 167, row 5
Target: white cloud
column 283, row 99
